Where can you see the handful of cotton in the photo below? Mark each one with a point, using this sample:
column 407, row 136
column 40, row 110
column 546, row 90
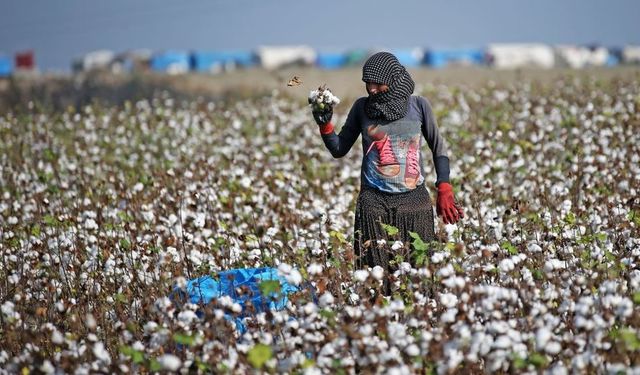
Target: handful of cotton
column 321, row 98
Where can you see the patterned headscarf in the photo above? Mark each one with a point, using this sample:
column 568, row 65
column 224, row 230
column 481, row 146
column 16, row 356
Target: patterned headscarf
column 384, row 68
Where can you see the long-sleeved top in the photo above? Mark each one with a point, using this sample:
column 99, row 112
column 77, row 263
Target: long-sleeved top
column 392, row 161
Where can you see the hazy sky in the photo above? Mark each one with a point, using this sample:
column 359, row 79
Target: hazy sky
column 58, row 30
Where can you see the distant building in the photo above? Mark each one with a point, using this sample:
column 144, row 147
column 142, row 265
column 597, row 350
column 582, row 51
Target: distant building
column 6, row 66
column 25, row 61
column 331, row 60
column 631, row 55
column 137, row 60
column 511, row 56
column 580, row 56
column 93, row 61
column 277, row 57
column 410, row 57
column 443, row 57
column 221, row 61
column 171, row 62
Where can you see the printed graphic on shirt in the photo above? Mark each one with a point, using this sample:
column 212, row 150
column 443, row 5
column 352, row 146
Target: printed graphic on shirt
column 392, row 159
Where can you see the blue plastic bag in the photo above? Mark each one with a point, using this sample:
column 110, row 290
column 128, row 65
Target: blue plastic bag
column 243, row 286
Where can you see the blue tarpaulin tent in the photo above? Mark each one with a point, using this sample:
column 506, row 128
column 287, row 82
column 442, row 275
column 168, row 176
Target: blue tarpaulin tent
column 216, row 61
column 331, row 60
column 6, row 66
column 438, row 58
column 410, row 58
column 247, row 280
column 171, row 62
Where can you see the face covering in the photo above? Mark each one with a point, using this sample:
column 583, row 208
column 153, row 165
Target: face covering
column 384, row 68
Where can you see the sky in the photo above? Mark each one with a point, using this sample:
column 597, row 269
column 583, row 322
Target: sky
column 60, row 30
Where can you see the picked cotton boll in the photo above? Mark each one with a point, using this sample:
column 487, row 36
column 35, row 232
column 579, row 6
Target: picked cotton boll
column 322, row 97
column 169, row 362
column 377, row 272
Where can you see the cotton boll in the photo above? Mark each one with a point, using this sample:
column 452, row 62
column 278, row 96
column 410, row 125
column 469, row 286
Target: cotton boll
column 377, row 272
column 543, row 335
column 169, row 362
column 314, row 269
column 360, row 275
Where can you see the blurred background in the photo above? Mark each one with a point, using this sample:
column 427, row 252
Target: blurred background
column 123, row 49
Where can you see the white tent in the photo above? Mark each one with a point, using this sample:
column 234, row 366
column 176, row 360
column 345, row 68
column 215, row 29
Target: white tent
column 510, row 56
column 280, row 56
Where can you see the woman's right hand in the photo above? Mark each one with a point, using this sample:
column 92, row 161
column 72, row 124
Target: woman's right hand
column 323, row 116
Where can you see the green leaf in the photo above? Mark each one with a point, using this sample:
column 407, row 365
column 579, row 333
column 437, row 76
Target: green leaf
column 183, row 339
column 155, row 366
column 519, row 363
column 50, row 220
column 506, row 245
column 135, row 355
column 259, row 355
column 636, row 298
column 35, row 231
column 630, row 339
column 125, row 244
column 269, row 287
column 570, row 218
column 537, row 359
column 339, row 236
column 634, row 217
column 417, row 243
column 390, row 229
column 328, row 315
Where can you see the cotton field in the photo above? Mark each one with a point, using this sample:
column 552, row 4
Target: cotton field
column 105, row 210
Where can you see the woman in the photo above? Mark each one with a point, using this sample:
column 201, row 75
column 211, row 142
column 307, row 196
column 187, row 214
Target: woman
column 393, row 124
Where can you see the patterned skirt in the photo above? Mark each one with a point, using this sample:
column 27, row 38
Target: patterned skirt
column 410, row 211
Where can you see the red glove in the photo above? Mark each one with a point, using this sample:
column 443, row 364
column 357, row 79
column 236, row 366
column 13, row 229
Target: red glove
column 326, row 128
column 446, row 205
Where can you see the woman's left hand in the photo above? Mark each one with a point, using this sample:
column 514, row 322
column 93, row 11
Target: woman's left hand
column 446, row 206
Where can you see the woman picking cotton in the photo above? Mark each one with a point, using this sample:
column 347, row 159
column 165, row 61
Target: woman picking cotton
column 393, row 124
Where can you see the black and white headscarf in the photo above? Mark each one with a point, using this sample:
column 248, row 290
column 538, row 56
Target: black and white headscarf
column 384, row 68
